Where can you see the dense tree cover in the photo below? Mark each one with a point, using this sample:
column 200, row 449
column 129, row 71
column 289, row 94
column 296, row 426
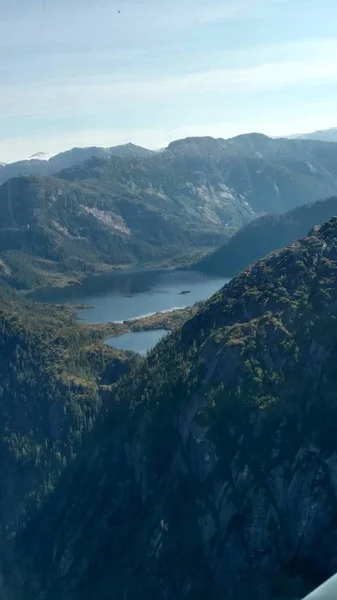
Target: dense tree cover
column 51, row 373
column 53, row 232
column 214, row 472
column 260, row 237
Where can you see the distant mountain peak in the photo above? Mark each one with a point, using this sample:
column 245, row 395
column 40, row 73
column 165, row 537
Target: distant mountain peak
column 254, row 135
column 333, row 129
column 323, row 135
column 197, row 145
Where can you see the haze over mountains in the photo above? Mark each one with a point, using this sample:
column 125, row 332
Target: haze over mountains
column 44, row 164
column 323, row 135
column 41, row 163
column 130, row 205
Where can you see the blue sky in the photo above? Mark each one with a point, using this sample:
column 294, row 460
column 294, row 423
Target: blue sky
column 78, row 73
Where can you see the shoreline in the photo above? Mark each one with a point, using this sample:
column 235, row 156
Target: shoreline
column 168, row 320
column 178, row 262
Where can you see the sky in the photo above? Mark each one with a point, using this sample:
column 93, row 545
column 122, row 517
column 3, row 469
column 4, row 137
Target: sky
column 81, row 73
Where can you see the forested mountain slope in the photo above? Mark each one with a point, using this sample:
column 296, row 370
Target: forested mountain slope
column 54, row 232
column 261, row 236
column 50, row 396
column 214, row 474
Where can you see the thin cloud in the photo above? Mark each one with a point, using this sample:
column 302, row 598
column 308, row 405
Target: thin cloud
column 76, row 66
column 88, row 95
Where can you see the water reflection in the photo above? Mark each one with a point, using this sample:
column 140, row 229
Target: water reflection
column 132, row 294
column 124, row 283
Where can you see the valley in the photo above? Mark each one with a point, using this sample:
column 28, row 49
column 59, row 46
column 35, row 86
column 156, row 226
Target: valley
column 167, row 392
column 215, row 457
column 135, row 300
column 168, row 300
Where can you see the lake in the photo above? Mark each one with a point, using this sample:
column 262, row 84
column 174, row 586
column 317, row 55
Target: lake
column 125, row 295
column 138, row 341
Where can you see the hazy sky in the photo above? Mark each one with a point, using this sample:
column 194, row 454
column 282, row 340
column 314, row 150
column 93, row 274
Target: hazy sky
column 76, row 72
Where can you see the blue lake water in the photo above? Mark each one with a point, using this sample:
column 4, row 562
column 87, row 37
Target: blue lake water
column 138, row 341
column 126, row 295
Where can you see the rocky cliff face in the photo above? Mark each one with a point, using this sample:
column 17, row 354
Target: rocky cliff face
column 215, row 473
column 222, row 180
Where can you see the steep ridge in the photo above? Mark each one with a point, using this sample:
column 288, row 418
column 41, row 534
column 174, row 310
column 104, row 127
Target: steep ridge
column 260, row 237
column 214, row 474
column 51, row 392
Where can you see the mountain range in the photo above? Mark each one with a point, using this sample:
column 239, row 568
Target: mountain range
column 134, row 205
column 41, row 163
column 213, row 473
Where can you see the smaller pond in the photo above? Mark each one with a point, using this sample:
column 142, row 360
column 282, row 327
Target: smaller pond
column 138, row 341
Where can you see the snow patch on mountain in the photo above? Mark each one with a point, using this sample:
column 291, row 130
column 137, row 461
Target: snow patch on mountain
column 311, row 168
column 41, row 156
